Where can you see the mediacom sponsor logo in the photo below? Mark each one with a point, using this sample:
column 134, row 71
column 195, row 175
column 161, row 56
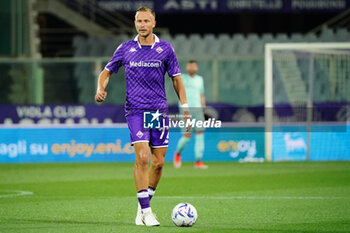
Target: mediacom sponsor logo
column 152, row 64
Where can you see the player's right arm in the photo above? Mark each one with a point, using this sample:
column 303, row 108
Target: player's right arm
column 103, row 80
column 111, row 67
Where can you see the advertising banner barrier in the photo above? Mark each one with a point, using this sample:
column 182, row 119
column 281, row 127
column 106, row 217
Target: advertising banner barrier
column 229, row 146
column 329, row 142
column 61, row 114
column 107, row 144
column 91, row 114
column 112, row 144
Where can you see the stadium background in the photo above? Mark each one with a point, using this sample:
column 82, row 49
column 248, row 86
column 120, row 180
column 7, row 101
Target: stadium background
column 66, row 162
column 52, row 52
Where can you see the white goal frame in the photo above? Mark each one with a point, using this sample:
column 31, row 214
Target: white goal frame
column 269, row 48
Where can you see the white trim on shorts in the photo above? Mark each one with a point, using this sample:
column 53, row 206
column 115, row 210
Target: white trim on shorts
column 159, row 146
column 132, row 143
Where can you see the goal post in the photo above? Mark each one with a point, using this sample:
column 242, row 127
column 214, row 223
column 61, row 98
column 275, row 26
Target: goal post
column 292, row 67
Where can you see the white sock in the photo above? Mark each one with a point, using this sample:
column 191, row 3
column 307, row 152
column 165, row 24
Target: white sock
column 146, row 210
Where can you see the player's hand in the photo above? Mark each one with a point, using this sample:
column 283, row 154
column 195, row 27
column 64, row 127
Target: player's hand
column 187, row 118
column 101, row 95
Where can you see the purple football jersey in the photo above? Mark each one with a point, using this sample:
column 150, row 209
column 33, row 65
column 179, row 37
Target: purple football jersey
column 145, row 67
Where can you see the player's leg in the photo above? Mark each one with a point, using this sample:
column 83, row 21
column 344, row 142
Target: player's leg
column 199, row 140
column 156, row 169
column 141, row 180
column 180, row 146
column 145, row 216
column 140, row 140
column 141, row 165
column 199, row 150
column 159, row 141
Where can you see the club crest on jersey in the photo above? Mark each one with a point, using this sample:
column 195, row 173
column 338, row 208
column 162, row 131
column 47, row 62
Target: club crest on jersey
column 132, row 50
column 139, row 134
column 159, row 50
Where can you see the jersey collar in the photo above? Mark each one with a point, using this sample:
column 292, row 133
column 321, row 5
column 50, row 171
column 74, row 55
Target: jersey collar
column 156, row 40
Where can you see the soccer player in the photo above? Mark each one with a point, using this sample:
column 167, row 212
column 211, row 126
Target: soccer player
column 146, row 59
column 194, row 86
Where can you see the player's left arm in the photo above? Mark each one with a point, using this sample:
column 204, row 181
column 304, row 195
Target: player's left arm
column 174, row 72
column 202, row 94
column 203, row 100
column 179, row 88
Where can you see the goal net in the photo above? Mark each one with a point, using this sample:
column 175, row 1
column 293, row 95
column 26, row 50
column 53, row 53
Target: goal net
column 306, row 85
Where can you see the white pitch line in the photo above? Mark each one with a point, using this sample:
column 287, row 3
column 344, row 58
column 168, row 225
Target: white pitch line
column 211, row 197
column 255, row 197
column 15, row 193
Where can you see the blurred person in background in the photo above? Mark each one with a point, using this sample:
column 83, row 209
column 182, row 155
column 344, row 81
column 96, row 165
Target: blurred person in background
column 194, row 86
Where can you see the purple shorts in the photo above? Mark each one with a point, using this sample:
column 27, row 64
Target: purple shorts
column 156, row 137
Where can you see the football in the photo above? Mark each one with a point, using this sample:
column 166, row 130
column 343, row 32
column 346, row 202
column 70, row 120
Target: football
column 184, row 215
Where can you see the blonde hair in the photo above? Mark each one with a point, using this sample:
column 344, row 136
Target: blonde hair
column 146, row 8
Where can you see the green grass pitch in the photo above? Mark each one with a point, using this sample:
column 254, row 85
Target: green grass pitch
column 229, row 197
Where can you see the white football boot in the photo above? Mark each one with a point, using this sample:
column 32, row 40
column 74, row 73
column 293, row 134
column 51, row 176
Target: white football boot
column 149, row 219
column 138, row 219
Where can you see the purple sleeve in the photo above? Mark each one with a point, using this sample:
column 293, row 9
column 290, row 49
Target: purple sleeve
column 117, row 60
column 173, row 68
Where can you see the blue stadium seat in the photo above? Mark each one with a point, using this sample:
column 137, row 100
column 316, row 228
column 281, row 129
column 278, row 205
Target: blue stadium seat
column 214, row 49
column 256, row 89
column 121, row 38
column 342, row 35
column 252, row 38
column 194, row 38
column 110, row 45
column 282, row 38
column 311, row 37
column 78, row 40
column 96, row 47
column 238, row 37
column 327, row 35
column 80, row 46
column 166, row 37
column 297, row 37
column 186, row 50
column 267, row 38
column 242, row 48
column 227, row 49
column 195, row 45
column 257, row 48
column 180, row 39
column 224, row 37
column 209, row 39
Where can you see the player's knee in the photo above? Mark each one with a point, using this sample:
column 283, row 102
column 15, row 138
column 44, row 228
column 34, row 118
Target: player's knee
column 158, row 165
column 142, row 162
